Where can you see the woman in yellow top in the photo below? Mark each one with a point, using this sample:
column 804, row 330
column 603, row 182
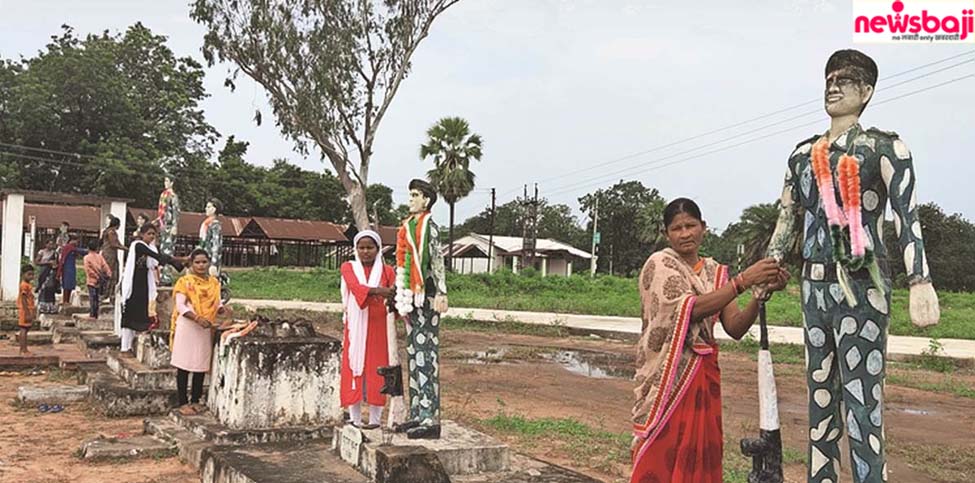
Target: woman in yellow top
column 191, row 331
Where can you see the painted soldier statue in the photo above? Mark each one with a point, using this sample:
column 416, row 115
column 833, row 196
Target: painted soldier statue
column 211, row 235
column 168, row 220
column 421, row 296
column 836, row 190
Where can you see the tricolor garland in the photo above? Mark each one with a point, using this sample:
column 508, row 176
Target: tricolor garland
column 412, row 242
column 848, row 237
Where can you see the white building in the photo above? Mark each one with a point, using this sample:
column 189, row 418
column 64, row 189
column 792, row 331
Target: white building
column 551, row 257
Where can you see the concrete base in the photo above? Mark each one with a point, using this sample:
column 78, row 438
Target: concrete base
column 138, row 376
column 135, row 447
column 207, row 427
column 57, row 394
column 408, row 464
column 97, row 342
column 277, row 463
column 152, row 349
column 114, row 398
column 103, row 323
column 34, row 338
column 276, row 381
column 462, row 451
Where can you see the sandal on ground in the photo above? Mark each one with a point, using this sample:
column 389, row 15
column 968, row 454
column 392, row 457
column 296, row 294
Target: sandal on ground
column 43, row 408
column 369, row 426
column 186, row 410
column 56, row 408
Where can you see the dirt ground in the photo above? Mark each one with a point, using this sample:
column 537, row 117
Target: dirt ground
column 486, row 374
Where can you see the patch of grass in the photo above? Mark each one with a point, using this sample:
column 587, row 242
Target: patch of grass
column 946, row 385
column 781, row 353
column 505, row 327
column 57, row 374
column 596, row 448
column 943, row 463
column 579, row 294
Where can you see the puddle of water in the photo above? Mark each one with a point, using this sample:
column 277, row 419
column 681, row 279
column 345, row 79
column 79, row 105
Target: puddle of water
column 915, row 412
column 593, row 364
column 490, row 356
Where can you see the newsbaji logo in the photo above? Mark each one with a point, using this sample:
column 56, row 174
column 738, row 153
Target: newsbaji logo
column 947, row 21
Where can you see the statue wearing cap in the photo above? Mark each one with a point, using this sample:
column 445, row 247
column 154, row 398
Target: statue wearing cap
column 837, row 187
column 421, row 296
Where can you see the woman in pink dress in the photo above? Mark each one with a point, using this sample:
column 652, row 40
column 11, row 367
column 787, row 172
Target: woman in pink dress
column 197, row 307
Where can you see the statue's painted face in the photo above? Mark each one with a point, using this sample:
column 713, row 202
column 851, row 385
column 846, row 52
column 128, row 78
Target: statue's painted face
column 168, row 183
column 418, row 201
column 685, row 234
column 211, row 210
column 845, row 94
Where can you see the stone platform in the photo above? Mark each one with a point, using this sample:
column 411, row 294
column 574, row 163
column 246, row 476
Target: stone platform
column 461, row 451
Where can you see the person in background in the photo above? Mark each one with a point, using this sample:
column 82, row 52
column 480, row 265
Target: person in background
column 97, row 275
column 139, row 284
column 46, row 260
column 26, row 312
column 111, row 246
column 67, row 267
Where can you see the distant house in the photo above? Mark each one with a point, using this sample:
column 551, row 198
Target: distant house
column 552, row 257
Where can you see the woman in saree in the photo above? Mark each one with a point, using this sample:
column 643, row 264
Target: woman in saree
column 677, row 416
column 194, row 320
column 139, row 283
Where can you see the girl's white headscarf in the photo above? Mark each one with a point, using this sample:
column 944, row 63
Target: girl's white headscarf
column 357, row 318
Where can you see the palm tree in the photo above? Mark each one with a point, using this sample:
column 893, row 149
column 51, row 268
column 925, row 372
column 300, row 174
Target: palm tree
column 757, row 225
column 452, row 146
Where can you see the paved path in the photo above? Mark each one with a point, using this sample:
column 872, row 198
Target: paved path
column 896, row 345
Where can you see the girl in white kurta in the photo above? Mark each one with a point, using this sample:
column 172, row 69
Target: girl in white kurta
column 197, row 306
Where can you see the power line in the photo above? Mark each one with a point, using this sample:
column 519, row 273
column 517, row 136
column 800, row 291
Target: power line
column 763, row 116
column 748, row 141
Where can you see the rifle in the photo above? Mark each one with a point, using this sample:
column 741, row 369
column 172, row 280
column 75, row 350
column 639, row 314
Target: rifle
column 766, row 450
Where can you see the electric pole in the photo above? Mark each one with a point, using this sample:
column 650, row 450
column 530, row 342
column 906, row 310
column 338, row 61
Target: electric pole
column 491, row 234
column 595, row 239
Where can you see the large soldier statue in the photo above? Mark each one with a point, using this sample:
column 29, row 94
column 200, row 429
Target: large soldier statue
column 168, row 220
column 421, row 296
column 838, row 184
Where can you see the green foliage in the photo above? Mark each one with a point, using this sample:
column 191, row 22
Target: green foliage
column 125, row 102
column 331, row 69
column 949, row 243
column 603, row 295
column 554, row 221
column 631, row 222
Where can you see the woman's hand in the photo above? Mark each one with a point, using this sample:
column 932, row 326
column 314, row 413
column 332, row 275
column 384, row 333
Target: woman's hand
column 384, row 292
column 762, row 272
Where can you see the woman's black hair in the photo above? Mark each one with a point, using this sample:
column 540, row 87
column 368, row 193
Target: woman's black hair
column 113, row 221
column 143, row 216
column 148, row 226
column 681, row 205
column 199, row 251
column 93, row 245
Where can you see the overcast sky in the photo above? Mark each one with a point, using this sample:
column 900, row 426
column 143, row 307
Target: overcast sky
column 557, row 86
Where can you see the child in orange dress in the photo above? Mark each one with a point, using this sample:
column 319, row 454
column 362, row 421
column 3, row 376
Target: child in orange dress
column 26, row 310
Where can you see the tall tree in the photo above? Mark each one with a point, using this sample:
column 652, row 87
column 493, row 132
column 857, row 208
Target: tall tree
column 630, row 220
column 452, row 146
column 124, row 103
column 949, row 243
column 330, row 67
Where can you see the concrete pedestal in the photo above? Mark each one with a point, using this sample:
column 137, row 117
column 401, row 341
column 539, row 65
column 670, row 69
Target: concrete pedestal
column 461, row 451
column 265, row 380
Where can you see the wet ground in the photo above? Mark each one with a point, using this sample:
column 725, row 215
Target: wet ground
column 540, row 378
